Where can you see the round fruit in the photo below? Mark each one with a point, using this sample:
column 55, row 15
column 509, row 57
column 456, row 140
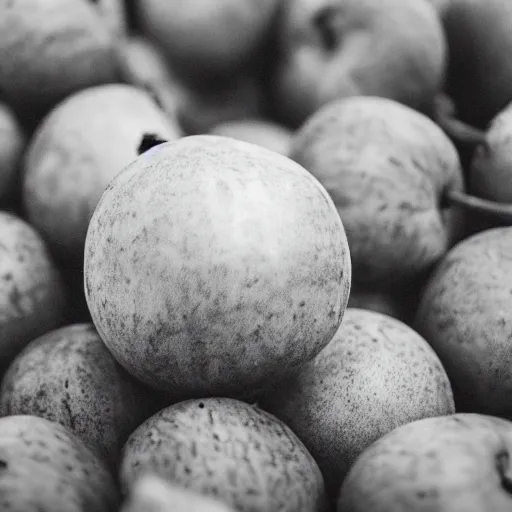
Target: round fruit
column 453, row 463
column 375, row 375
column 208, row 37
column 45, row 468
column 230, row 450
column 464, row 315
column 70, row 377
column 32, row 298
column 214, row 266
column 77, row 150
column 51, row 49
column 332, row 49
column 388, row 169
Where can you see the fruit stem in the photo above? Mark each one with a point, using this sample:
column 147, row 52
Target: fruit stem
column 149, row 140
column 463, row 134
column 500, row 211
column 445, row 115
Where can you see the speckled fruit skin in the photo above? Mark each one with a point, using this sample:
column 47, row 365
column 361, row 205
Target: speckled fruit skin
column 227, row 449
column 12, row 144
column 330, row 49
column 464, row 315
column 450, row 464
column 45, row 468
column 32, row 297
column 264, row 133
column 70, row 377
column 490, row 173
column 386, row 167
column 51, row 49
column 77, row 150
column 375, row 375
column 208, row 37
column 151, row 493
column 214, row 266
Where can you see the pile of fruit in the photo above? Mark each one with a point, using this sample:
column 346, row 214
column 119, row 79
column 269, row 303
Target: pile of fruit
column 255, row 255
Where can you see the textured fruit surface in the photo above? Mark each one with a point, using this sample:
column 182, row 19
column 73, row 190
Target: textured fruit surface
column 213, row 266
column 227, row 449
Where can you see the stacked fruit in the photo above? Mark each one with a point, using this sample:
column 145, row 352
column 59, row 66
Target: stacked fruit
column 254, row 255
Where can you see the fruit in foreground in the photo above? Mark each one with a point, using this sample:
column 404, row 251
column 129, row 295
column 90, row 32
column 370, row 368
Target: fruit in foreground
column 45, row 468
column 465, row 316
column 77, row 150
column 32, row 296
column 375, row 375
column 448, row 464
column 387, row 168
column 230, row 450
column 70, row 377
column 214, row 266
column 151, row 493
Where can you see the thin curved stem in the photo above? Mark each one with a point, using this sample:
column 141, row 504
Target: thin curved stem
column 500, row 211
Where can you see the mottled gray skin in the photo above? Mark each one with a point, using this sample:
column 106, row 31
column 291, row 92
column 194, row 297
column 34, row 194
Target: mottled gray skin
column 70, row 377
column 490, row 173
column 51, row 49
column 213, row 266
column 465, row 315
column 76, row 152
column 375, row 375
column 386, row 167
column 12, row 144
column 45, row 468
column 480, row 43
column 450, row 464
column 264, row 133
column 32, row 296
column 208, row 37
column 331, row 49
column 230, row 450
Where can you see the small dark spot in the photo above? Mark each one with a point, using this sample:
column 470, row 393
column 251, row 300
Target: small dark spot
column 66, row 383
column 201, row 405
column 302, row 303
column 3, row 464
column 149, row 140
